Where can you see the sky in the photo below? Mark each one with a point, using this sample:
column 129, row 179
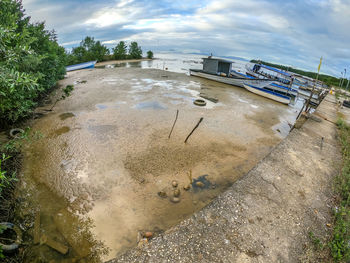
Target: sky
column 289, row 32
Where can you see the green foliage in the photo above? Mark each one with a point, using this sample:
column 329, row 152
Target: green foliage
column 149, row 54
column 31, row 61
column 135, row 51
column 120, row 51
column 89, row 50
column 68, row 89
column 316, row 241
column 340, row 244
column 328, row 80
column 5, row 180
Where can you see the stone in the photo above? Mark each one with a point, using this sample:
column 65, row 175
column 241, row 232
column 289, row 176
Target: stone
column 199, row 184
column 177, row 192
column 162, row 194
column 174, row 183
column 148, row 234
column 187, row 187
column 143, row 242
column 175, row 199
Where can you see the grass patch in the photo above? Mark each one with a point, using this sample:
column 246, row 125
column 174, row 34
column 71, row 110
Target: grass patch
column 340, row 244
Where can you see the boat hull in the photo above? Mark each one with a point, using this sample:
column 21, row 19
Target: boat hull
column 273, row 86
column 268, row 94
column 239, row 82
column 86, row 65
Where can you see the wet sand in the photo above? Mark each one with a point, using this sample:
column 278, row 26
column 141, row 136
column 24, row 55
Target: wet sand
column 105, row 155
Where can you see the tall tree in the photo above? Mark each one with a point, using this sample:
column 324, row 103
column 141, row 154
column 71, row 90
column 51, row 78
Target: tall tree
column 135, row 50
column 120, row 51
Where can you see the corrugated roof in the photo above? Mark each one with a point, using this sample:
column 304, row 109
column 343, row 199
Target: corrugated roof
column 220, row 60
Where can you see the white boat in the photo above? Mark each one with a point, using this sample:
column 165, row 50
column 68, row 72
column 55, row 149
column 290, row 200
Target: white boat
column 85, row 65
column 268, row 94
column 239, row 82
column 272, row 86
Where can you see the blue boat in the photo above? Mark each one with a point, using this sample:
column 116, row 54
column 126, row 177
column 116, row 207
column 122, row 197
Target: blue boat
column 276, row 96
column 85, row 65
column 272, row 86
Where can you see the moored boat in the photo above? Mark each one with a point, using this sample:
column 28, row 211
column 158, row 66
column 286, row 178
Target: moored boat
column 272, row 86
column 85, row 65
column 276, row 96
column 219, row 70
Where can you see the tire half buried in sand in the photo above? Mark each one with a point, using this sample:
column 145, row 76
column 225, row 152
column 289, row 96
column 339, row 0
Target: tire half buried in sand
column 200, row 102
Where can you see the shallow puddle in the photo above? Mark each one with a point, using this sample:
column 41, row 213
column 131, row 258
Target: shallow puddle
column 96, row 178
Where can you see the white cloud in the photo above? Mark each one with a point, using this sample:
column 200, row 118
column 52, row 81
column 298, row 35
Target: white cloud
column 289, row 32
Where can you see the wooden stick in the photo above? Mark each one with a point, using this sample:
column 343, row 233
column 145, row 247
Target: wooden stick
column 200, row 120
column 177, row 114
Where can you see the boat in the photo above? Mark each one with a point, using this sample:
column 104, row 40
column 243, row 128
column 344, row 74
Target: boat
column 85, row 65
column 276, row 96
column 219, row 70
column 272, row 86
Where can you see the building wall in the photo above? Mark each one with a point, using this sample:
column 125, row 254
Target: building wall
column 210, row 66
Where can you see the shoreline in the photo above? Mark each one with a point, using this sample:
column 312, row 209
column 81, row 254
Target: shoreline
column 112, row 62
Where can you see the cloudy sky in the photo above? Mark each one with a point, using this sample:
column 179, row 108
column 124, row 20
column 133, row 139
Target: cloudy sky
column 290, row 32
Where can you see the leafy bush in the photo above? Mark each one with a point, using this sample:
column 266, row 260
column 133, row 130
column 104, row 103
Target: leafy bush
column 31, row 61
column 149, row 54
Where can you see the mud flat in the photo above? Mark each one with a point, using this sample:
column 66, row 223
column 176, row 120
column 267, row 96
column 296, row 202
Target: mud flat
column 266, row 215
column 102, row 173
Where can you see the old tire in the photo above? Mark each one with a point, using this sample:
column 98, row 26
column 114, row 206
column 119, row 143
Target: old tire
column 200, row 102
column 13, row 246
column 14, row 133
column 346, row 103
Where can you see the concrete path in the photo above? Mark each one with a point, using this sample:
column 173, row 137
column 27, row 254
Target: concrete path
column 265, row 216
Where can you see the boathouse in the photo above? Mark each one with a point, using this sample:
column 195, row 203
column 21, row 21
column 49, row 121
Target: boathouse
column 216, row 66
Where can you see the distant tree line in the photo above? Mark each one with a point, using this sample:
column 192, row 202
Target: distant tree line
column 31, row 62
column 89, row 50
column 328, row 80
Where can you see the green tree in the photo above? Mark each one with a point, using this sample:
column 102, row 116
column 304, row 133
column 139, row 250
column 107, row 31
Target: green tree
column 31, row 61
column 120, row 51
column 149, row 54
column 135, row 50
column 99, row 51
column 88, row 50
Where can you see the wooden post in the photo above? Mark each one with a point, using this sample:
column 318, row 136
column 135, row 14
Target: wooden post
column 311, row 94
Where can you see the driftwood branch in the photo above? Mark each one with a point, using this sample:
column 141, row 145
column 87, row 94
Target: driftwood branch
column 177, row 114
column 195, row 127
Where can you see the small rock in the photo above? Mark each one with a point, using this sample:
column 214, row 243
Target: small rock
column 148, row 234
column 199, row 184
column 187, row 187
column 177, row 192
column 162, row 194
column 175, row 199
column 143, row 242
column 174, row 183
